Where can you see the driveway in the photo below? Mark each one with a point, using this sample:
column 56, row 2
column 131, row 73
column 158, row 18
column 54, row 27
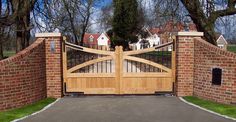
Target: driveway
column 123, row 109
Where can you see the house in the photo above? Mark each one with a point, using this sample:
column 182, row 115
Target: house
column 160, row 35
column 150, row 41
column 97, row 41
column 166, row 30
column 221, row 42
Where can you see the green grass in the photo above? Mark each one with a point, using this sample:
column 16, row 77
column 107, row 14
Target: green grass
column 160, row 53
column 8, row 53
column 228, row 110
column 231, row 48
column 7, row 116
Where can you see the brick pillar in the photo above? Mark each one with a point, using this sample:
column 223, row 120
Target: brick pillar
column 53, row 58
column 185, row 62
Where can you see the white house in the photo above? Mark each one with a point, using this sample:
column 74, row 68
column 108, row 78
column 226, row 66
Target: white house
column 221, row 42
column 103, row 40
column 150, row 41
column 154, row 40
column 97, row 40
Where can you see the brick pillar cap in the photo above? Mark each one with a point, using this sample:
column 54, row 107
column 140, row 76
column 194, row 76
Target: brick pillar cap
column 43, row 35
column 196, row 34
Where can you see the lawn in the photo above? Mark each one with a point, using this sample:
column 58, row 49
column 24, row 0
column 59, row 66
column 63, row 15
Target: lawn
column 8, row 53
column 228, row 110
column 231, row 48
column 13, row 114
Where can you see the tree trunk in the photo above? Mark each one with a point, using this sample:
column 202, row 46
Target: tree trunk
column 1, row 50
column 206, row 23
column 200, row 20
column 82, row 37
column 71, row 18
column 27, row 29
column 84, row 28
column 19, row 34
column 206, row 27
column 22, row 32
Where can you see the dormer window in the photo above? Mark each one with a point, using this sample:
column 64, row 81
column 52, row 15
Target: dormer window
column 91, row 38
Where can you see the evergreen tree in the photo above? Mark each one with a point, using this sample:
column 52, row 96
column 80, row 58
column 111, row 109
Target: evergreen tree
column 125, row 21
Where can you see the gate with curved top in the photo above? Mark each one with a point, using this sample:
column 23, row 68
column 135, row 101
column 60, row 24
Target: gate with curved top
column 94, row 71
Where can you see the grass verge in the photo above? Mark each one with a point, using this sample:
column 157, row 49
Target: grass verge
column 231, row 48
column 8, row 53
column 228, row 110
column 7, row 116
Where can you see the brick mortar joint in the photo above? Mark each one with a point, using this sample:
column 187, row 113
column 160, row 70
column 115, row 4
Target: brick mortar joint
column 215, row 50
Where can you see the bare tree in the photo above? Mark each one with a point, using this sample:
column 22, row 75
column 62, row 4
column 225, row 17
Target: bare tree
column 106, row 17
column 18, row 12
column 206, row 22
column 71, row 17
column 70, row 7
column 85, row 10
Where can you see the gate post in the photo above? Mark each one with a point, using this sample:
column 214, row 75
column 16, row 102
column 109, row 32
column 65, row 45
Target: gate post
column 119, row 68
column 53, row 62
column 185, row 62
column 173, row 62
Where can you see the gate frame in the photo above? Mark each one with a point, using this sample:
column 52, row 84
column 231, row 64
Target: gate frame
column 119, row 57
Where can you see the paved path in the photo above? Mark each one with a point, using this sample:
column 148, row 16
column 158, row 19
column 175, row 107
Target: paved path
column 123, row 109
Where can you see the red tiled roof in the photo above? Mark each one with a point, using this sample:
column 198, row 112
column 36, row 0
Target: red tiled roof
column 154, row 30
column 86, row 39
column 169, row 27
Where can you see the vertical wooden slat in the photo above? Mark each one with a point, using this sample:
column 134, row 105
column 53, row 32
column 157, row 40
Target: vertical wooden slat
column 117, row 69
column 64, row 63
column 173, row 65
column 121, row 59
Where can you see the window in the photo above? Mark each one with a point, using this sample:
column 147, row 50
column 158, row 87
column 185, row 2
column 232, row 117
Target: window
column 216, row 76
column 91, row 38
column 220, row 46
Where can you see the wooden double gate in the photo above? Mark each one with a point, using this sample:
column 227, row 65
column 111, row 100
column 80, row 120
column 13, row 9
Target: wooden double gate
column 94, row 71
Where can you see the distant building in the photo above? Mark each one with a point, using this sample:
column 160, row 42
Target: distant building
column 97, row 41
column 150, row 41
column 168, row 28
column 160, row 35
column 221, row 42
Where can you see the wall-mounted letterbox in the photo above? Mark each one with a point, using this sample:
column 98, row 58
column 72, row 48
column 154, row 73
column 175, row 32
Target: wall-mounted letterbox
column 216, row 76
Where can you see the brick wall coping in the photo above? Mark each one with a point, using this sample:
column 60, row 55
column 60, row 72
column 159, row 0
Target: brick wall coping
column 22, row 53
column 214, row 48
column 196, row 34
column 41, row 35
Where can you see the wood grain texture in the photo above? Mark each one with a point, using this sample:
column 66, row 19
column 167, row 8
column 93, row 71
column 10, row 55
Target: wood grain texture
column 132, row 58
column 77, row 67
column 135, row 52
column 119, row 82
column 91, row 85
column 146, row 85
column 88, row 50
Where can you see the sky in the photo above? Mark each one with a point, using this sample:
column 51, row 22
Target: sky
column 104, row 3
column 221, row 26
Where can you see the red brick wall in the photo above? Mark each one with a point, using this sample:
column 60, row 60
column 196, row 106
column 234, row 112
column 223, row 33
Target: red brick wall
column 32, row 74
column 184, row 66
column 23, row 78
column 54, row 67
column 206, row 57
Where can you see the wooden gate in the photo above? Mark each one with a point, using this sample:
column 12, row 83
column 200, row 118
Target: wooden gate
column 93, row 71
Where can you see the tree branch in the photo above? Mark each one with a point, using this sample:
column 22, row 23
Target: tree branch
column 230, row 10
